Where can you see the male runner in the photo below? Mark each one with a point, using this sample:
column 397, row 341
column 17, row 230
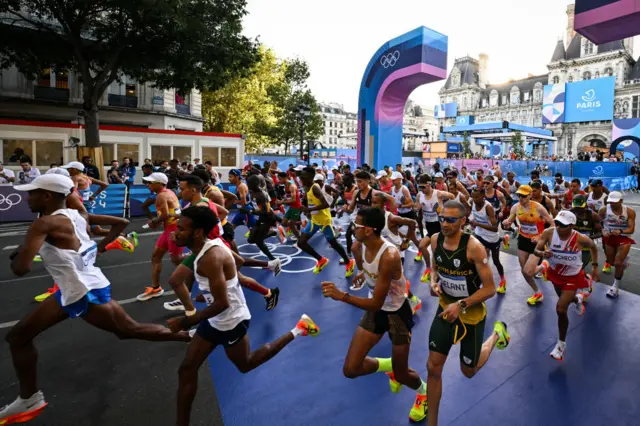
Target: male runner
column 562, row 246
column 429, row 201
column 574, row 189
column 560, row 188
column 317, row 209
column 540, row 198
column 245, row 215
column 597, row 197
column 60, row 235
column 619, row 222
column 531, row 218
column 386, row 309
column 587, row 223
column 463, row 281
column 225, row 320
column 404, row 203
column 168, row 210
column 265, row 216
column 291, row 199
column 485, row 222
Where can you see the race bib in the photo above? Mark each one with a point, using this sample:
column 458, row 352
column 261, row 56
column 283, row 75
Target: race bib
column 453, row 286
column 529, row 228
column 561, row 257
column 207, row 297
column 430, row 216
column 315, row 212
column 89, row 255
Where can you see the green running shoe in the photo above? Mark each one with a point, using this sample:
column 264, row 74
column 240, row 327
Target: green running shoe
column 503, row 337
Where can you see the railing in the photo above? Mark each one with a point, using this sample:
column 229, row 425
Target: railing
column 123, row 101
column 183, row 109
column 45, row 93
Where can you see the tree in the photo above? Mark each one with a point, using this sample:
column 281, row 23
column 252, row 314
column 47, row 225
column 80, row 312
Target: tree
column 466, row 146
column 244, row 106
column 516, row 143
column 172, row 43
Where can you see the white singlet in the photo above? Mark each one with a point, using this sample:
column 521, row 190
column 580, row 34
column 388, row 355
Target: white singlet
column 237, row 310
column 74, row 271
column 567, row 255
column 463, row 179
column 394, row 239
column 398, row 196
column 613, row 221
column 396, row 296
column 594, row 204
column 512, row 190
column 560, row 188
column 482, row 217
column 429, row 206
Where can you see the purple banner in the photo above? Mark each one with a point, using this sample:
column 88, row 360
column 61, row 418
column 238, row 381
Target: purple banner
column 13, row 205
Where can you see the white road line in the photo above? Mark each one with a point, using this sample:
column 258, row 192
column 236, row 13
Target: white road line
column 635, row 248
column 146, row 234
column 10, row 247
column 121, row 302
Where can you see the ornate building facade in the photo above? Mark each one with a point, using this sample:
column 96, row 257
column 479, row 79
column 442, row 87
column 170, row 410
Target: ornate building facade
column 574, row 59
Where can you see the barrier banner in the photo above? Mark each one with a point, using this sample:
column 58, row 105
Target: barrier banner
column 517, row 167
column 623, row 183
column 13, row 205
column 109, row 202
column 138, row 194
column 599, row 170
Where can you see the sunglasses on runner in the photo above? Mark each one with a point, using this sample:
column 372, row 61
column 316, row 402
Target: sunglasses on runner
column 423, row 186
column 355, row 226
column 449, row 219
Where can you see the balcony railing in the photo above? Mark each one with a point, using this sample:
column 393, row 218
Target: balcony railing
column 183, row 109
column 123, row 101
column 45, row 93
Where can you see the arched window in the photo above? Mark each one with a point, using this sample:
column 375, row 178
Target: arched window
column 597, row 74
column 556, row 79
column 570, row 79
column 608, row 71
column 586, row 75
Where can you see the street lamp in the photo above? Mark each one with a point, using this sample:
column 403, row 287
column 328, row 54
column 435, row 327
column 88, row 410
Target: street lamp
column 571, row 133
column 304, row 112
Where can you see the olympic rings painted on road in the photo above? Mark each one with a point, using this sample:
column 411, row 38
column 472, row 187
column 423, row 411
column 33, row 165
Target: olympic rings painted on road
column 6, row 202
column 285, row 258
column 390, row 59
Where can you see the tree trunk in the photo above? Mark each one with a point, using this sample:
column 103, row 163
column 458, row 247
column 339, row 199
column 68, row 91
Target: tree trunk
column 91, row 129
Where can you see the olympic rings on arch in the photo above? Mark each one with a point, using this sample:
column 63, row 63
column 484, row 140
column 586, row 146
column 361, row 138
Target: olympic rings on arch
column 390, row 59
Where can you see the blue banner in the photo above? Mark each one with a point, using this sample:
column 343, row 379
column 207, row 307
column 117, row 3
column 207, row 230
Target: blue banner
column 138, row 194
column 453, row 148
column 613, row 184
column 590, row 100
column 598, row 170
column 109, row 202
column 465, row 120
column 446, row 110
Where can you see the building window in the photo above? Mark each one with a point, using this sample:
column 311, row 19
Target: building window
column 47, row 153
column 12, row 150
column 108, row 153
column 586, row 75
column 39, row 153
column 515, row 99
column 597, row 74
column 117, row 151
column 608, row 71
column 130, row 89
column 62, row 79
column 588, row 47
column 210, row 153
column 526, row 96
column 160, row 153
column 44, row 79
column 556, row 79
column 635, row 107
column 182, row 153
column 570, row 79
column 228, row 157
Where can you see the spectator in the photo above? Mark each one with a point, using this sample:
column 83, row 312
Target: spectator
column 28, row 173
column 174, row 174
column 184, row 166
column 6, row 175
column 196, row 161
column 113, row 175
column 53, row 166
column 127, row 171
column 89, row 168
column 147, row 169
column 189, row 168
column 164, row 166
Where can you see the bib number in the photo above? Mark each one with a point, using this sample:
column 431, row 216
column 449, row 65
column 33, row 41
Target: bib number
column 207, row 297
column 529, row 228
column 454, row 286
column 89, row 255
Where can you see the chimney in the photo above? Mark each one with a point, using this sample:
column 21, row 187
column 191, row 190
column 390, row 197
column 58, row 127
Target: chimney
column 483, row 72
column 571, row 16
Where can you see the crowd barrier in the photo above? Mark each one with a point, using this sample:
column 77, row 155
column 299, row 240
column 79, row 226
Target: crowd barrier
column 13, row 205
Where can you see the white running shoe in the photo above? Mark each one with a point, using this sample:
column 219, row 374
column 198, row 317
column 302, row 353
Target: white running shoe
column 192, row 332
column 613, row 292
column 275, row 266
column 23, row 410
column 580, row 304
column 175, row 305
column 558, row 351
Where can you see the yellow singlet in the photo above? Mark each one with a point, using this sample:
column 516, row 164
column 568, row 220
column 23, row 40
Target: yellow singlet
column 318, row 217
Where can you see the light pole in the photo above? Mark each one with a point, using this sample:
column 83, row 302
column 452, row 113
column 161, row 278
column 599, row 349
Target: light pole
column 571, row 133
column 304, row 111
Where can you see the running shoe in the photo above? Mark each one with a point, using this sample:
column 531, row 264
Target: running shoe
column 613, row 292
column 150, row 293
column 175, row 305
column 37, row 258
column 23, row 410
column 418, row 258
column 308, row 327
column 419, row 410
column 350, row 268
column 342, row 262
column 281, row 234
column 405, row 245
column 426, row 276
column 275, row 266
column 289, row 232
column 393, row 384
column 415, row 304
column 558, row 352
column 322, row 263
column 133, row 236
column 606, row 268
column 272, row 299
column 247, row 234
column 44, row 296
column 535, row 299
column 586, row 292
column 545, row 268
column 502, row 287
column 192, row 332
column 580, row 304
column 500, row 328
column 505, row 242
column 120, row 243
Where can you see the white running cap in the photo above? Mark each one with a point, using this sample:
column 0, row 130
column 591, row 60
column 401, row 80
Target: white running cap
column 566, row 218
column 49, row 182
column 157, row 178
column 614, row 197
column 75, row 165
column 57, row 171
column 396, row 175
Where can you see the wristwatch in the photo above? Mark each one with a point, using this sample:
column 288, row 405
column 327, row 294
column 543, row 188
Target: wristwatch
column 463, row 306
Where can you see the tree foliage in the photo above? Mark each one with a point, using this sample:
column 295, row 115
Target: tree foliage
column 172, row 43
column 516, row 143
column 466, row 146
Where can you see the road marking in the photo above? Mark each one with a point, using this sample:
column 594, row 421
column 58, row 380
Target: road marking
column 121, row 302
column 10, row 247
column 635, row 248
column 146, row 234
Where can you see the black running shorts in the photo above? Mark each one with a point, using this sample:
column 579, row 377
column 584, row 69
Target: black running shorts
column 225, row 338
column 398, row 324
column 443, row 333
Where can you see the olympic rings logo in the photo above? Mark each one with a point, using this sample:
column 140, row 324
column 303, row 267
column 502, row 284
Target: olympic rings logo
column 6, row 202
column 285, row 257
column 390, row 59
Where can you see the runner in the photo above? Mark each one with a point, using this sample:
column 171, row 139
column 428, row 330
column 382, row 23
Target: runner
column 225, row 319
column 384, row 182
column 587, row 223
column 386, row 309
column 292, row 200
column 318, row 210
column 531, row 218
column 540, row 198
column 168, row 209
column 574, row 190
column 60, row 235
column 562, row 246
column 459, row 196
column 619, row 223
column 404, row 204
column 429, row 201
column 485, row 222
column 560, row 188
column 265, row 216
column 463, row 281
column 245, row 215
column 597, row 197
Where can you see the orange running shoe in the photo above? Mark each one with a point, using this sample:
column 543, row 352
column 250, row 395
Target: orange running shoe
column 350, row 268
column 502, row 287
column 150, row 293
column 23, row 410
column 322, row 263
column 44, row 296
column 419, row 411
column 121, row 243
column 308, row 327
